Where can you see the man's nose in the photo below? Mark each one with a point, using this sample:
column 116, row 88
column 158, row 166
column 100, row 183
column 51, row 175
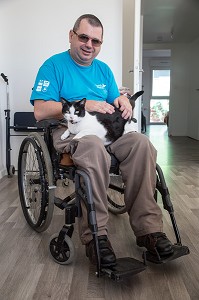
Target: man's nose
column 89, row 43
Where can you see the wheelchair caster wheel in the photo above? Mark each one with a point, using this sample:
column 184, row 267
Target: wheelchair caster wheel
column 63, row 252
column 11, row 171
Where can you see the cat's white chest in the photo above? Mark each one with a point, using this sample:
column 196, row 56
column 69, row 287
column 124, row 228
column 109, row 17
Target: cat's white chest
column 74, row 128
column 88, row 125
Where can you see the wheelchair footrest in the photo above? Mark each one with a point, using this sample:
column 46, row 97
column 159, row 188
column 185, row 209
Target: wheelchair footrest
column 126, row 266
column 178, row 251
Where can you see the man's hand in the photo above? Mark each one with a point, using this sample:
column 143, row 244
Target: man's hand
column 99, row 106
column 122, row 102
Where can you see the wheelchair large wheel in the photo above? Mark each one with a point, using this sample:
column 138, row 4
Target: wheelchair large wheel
column 115, row 196
column 35, row 182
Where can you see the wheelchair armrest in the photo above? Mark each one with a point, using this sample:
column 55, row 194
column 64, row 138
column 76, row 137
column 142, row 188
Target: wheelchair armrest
column 52, row 123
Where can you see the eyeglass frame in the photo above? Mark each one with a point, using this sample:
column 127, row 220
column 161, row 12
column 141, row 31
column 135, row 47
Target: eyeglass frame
column 85, row 36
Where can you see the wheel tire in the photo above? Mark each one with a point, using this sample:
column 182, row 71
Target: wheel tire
column 115, row 208
column 11, row 171
column 35, row 182
column 66, row 255
column 117, row 205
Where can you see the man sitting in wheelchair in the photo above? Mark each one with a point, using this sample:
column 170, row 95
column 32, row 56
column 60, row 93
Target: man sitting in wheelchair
column 74, row 75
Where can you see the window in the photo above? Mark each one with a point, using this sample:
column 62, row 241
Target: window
column 159, row 102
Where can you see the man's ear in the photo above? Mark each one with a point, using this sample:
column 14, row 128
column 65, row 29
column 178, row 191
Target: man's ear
column 71, row 33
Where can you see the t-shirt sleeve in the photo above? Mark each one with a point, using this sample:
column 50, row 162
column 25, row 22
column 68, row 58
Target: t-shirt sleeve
column 46, row 85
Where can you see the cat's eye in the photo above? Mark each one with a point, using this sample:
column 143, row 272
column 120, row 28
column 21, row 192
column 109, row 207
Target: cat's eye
column 77, row 111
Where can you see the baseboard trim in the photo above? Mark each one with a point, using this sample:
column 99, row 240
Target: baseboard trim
column 3, row 173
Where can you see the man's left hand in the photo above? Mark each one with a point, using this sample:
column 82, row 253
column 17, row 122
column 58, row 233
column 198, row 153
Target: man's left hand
column 122, row 102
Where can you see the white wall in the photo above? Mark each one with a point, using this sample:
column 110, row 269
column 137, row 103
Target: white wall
column 31, row 31
column 193, row 96
column 128, row 43
column 179, row 103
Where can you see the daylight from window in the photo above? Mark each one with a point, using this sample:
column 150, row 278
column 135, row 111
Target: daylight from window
column 161, row 83
column 159, row 104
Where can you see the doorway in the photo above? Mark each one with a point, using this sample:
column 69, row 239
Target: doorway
column 160, row 95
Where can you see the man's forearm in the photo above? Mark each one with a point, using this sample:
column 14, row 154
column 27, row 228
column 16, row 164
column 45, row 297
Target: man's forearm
column 47, row 110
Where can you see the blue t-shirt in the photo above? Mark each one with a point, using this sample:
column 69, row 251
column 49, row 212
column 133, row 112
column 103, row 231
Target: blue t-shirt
column 60, row 76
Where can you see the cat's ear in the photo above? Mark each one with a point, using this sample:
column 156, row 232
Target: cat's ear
column 63, row 101
column 82, row 102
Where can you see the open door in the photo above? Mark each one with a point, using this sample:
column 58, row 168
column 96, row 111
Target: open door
column 132, row 51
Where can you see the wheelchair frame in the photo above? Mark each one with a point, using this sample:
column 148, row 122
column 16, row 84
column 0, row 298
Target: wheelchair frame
column 38, row 171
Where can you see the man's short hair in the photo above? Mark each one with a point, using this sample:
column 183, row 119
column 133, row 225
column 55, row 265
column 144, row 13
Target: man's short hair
column 92, row 20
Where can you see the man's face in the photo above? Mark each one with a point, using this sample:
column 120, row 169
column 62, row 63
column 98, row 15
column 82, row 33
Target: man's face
column 84, row 52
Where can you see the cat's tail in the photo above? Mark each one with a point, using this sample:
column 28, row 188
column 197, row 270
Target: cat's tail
column 132, row 101
column 134, row 97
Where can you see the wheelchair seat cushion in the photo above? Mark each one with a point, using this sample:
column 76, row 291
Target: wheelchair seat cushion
column 66, row 160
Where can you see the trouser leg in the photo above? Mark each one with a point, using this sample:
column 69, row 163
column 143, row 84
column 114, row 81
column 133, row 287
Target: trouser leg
column 137, row 158
column 91, row 156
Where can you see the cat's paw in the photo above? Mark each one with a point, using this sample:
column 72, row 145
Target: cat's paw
column 65, row 135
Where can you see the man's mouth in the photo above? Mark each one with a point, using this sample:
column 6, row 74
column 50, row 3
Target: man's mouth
column 86, row 51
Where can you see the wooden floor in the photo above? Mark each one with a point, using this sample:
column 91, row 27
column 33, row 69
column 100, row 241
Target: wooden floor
column 28, row 272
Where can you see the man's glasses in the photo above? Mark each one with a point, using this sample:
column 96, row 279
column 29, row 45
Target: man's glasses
column 85, row 38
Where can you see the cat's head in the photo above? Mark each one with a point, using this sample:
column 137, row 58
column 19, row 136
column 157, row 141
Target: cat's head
column 73, row 111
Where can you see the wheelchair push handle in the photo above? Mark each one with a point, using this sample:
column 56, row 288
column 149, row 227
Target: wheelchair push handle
column 5, row 78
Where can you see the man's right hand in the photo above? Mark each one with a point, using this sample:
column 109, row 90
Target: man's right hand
column 99, row 106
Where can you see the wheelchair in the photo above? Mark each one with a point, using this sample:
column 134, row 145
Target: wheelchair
column 39, row 169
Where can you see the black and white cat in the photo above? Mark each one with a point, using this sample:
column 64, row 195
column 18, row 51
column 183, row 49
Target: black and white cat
column 108, row 127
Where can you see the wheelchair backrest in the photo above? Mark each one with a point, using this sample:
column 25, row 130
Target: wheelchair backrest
column 24, row 121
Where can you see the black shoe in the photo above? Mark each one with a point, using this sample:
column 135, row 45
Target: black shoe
column 156, row 242
column 107, row 255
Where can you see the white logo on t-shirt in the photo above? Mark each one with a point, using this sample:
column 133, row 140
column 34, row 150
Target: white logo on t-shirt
column 100, row 86
column 42, row 85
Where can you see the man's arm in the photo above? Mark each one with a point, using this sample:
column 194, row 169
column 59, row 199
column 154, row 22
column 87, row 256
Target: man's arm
column 47, row 110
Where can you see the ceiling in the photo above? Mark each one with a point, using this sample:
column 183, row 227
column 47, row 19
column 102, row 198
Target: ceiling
column 170, row 21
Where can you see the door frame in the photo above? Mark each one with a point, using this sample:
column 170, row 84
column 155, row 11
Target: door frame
column 132, row 52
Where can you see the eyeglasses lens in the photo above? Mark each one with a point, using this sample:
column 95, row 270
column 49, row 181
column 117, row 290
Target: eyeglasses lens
column 84, row 39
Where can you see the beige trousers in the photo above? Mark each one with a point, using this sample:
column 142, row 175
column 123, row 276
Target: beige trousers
column 137, row 158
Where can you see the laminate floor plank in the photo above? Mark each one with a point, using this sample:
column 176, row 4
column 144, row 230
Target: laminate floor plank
column 28, row 272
